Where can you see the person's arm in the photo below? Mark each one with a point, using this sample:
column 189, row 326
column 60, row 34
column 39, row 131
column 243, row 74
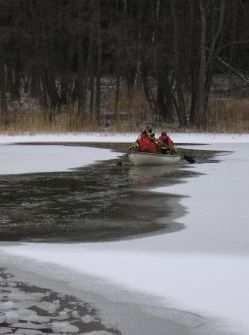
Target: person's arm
column 171, row 145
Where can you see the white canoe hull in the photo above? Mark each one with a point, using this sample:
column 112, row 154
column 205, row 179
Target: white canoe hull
column 144, row 158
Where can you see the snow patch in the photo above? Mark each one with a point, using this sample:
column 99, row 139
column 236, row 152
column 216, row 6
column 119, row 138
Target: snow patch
column 124, row 138
column 19, row 159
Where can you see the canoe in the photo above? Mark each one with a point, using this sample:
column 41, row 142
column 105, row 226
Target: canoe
column 145, row 158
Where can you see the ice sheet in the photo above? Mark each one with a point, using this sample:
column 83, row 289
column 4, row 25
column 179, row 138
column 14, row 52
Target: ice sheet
column 204, row 268
column 123, row 137
column 16, row 159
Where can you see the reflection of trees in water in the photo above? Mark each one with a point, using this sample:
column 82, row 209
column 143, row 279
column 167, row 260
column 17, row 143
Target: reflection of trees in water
column 99, row 202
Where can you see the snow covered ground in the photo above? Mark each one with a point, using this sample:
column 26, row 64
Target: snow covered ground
column 203, row 268
column 16, row 159
column 124, row 138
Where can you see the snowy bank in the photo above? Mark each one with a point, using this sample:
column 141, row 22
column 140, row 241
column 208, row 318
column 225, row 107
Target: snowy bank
column 124, row 138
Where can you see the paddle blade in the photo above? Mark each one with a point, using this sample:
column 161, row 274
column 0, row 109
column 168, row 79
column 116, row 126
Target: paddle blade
column 189, row 159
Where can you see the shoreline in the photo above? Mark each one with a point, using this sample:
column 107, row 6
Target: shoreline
column 127, row 137
column 116, row 308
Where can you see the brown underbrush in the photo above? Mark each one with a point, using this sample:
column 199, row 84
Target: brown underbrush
column 224, row 115
column 228, row 115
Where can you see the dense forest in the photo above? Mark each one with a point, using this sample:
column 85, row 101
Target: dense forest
column 88, row 58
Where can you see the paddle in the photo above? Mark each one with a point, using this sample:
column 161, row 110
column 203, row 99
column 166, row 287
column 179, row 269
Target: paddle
column 189, row 159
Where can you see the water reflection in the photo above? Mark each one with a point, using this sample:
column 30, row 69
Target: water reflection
column 148, row 175
column 101, row 202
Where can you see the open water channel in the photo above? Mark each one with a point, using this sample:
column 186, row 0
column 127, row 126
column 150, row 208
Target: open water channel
column 105, row 201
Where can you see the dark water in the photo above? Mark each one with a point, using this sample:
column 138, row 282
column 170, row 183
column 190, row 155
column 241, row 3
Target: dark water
column 105, row 201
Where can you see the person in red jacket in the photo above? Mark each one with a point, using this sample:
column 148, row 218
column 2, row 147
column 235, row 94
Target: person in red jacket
column 146, row 143
column 166, row 144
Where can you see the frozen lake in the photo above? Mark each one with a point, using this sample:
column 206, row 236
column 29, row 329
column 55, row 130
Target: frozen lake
column 196, row 275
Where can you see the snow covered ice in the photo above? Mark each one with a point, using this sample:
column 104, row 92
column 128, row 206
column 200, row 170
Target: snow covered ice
column 33, row 310
column 16, row 159
column 203, row 268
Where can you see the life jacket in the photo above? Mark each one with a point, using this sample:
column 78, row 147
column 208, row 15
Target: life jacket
column 146, row 145
column 165, row 139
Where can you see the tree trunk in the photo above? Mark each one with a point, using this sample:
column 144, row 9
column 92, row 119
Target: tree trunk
column 201, row 97
column 199, row 113
column 99, row 62
column 178, row 65
column 3, row 104
column 81, row 83
column 117, row 96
